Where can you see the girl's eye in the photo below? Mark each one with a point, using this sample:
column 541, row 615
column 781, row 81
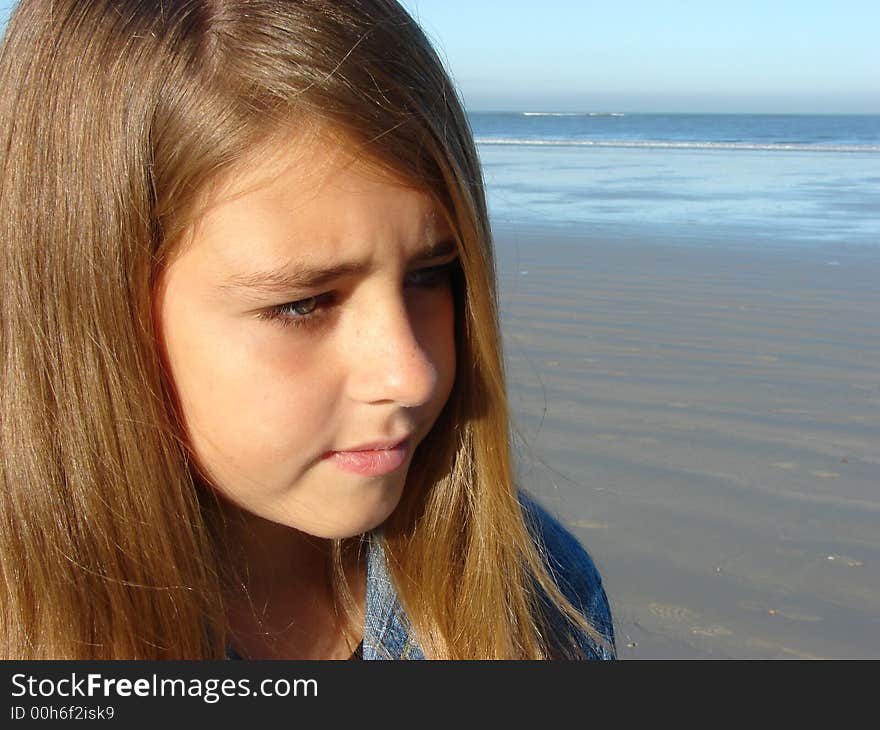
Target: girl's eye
column 310, row 312
column 303, row 306
column 300, row 313
column 432, row 275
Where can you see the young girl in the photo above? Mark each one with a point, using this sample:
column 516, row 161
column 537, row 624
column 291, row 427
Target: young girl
column 253, row 396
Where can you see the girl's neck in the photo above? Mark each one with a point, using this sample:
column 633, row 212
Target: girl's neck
column 278, row 592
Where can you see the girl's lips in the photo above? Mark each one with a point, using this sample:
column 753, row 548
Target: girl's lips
column 372, row 462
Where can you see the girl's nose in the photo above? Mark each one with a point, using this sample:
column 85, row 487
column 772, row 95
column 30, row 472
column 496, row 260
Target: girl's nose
column 389, row 362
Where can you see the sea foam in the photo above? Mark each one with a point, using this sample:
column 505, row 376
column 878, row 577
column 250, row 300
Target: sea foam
column 650, row 144
column 573, row 114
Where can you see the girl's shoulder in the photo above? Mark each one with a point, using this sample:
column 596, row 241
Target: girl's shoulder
column 575, row 574
column 387, row 629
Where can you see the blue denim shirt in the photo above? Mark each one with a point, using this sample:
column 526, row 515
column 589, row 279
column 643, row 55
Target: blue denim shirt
column 387, row 630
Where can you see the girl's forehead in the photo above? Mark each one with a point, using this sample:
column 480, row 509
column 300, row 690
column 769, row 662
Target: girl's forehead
column 313, row 206
column 316, row 154
column 317, row 185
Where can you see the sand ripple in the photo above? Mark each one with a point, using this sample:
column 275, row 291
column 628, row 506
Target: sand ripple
column 670, row 612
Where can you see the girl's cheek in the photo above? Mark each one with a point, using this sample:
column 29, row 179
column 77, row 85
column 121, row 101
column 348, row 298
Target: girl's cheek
column 274, row 350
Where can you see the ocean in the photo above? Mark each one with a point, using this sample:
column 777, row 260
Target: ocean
column 772, row 181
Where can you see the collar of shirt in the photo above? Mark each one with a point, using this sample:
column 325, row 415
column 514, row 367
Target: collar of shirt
column 389, row 635
column 387, row 631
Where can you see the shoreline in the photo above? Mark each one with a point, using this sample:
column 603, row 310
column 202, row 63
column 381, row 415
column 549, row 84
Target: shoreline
column 706, row 422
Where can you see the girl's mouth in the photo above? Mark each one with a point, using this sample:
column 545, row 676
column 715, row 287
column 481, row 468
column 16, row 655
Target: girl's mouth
column 372, row 461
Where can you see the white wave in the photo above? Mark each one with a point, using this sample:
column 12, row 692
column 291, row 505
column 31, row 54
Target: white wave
column 573, row 114
column 651, row 144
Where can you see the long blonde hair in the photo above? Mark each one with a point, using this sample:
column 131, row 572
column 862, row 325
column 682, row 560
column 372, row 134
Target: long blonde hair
column 114, row 116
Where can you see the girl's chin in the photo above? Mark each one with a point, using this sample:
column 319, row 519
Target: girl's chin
column 350, row 523
column 345, row 519
column 339, row 509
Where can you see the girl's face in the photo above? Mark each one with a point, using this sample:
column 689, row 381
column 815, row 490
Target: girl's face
column 307, row 324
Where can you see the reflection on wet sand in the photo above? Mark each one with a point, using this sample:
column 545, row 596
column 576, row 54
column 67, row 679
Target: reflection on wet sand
column 707, row 422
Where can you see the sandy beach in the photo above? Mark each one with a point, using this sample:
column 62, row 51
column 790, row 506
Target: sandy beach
column 706, row 419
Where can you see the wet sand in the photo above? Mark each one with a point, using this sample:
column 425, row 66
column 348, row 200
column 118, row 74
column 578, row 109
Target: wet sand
column 706, row 419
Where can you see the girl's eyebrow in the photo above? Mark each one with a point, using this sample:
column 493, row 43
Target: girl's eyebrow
column 293, row 277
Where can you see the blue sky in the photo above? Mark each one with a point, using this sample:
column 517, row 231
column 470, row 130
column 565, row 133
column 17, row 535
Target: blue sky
column 641, row 55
